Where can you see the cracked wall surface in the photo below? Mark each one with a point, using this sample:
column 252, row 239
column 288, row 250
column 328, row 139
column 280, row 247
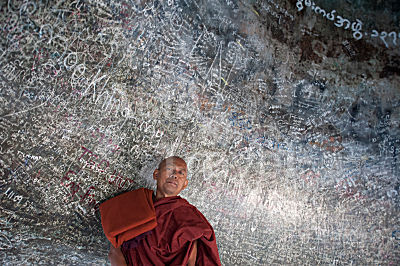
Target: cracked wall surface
column 287, row 112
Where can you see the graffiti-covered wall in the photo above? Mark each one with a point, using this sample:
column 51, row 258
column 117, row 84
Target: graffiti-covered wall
column 287, row 112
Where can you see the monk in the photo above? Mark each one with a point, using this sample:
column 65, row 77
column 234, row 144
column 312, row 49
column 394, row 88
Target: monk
column 182, row 235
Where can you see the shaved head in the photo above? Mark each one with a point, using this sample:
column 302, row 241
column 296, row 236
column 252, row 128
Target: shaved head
column 169, row 158
column 171, row 177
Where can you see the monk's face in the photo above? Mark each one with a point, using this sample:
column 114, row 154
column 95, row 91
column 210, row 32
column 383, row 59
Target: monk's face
column 171, row 177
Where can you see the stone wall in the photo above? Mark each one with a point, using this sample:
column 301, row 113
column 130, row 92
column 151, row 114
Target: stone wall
column 287, row 113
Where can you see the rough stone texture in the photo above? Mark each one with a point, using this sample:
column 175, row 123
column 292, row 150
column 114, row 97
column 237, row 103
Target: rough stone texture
column 289, row 123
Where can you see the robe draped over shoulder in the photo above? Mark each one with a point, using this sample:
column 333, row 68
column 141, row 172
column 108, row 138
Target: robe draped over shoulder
column 128, row 215
column 179, row 224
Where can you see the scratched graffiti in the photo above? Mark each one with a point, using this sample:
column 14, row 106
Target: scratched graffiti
column 287, row 113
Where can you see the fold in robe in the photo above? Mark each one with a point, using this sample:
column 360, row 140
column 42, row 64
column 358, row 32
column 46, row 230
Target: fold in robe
column 128, row 215
column 179, row 224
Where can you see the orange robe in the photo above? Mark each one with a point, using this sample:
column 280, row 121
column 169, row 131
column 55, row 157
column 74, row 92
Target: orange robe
column 128, row 215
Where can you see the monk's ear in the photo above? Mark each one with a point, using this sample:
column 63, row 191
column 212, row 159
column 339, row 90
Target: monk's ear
column 156, row 173
column 185, row 184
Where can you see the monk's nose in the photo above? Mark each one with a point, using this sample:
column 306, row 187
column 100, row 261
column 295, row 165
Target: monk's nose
column 174, row 174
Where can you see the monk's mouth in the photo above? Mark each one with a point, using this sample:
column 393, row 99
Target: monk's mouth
column 173, row 183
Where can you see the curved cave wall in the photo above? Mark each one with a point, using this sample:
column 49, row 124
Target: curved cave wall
column 287, row 112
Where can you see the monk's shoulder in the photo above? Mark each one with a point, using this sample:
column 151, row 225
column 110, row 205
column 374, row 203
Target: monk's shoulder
column 188, row 211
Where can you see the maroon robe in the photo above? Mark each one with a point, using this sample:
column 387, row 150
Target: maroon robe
column 179, row 224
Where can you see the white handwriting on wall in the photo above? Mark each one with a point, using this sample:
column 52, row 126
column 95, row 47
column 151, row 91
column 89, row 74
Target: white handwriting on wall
column 355, row 26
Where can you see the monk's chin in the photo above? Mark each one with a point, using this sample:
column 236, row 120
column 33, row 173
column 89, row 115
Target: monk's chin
column 171, row 192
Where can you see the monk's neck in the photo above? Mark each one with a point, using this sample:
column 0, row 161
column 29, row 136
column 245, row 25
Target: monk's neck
column 159, row 196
